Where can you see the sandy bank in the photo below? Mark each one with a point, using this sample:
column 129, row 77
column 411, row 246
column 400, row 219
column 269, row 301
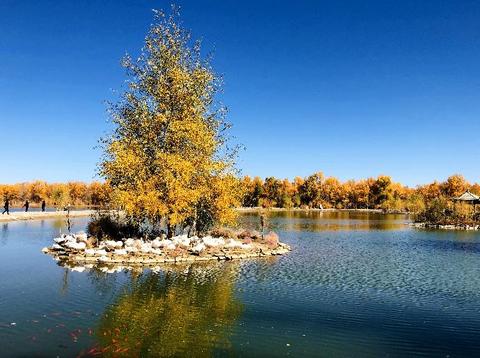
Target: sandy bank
column 37, row 215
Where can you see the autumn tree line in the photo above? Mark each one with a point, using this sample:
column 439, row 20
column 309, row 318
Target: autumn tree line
column 318, row 191
column 58, row 195
column 314, row 191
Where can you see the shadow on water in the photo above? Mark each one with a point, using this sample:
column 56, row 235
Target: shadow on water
column 185, row 311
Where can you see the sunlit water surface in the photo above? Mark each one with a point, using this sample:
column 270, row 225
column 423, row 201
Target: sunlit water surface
column 354, row 285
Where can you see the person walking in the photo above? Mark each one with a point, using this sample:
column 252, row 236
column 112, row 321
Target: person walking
column 43, row 206
column 6, row 207
column 26, row 205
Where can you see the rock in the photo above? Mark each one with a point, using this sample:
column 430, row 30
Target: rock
column 146, row 248
column 45, row 250
column 213, row 241
column 76, row 245
column 165, row 242
column 171, row 246
column 129, row 242
column 60, row 240
column 81, row 236
column 156, row 244
column 231, row 244
column 57, row 247
column 138, row 243
column 182, row 240
column 199, row 247
column 78, row 268
column 120, row 252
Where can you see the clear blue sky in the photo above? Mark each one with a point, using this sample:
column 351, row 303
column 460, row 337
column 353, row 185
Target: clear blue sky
column 351, row 88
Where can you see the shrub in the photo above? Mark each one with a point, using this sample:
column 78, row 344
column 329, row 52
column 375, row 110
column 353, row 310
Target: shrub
column 437, row 211
column 271, row 240
column 106, row 227
column 223, row 232
column 249, row 234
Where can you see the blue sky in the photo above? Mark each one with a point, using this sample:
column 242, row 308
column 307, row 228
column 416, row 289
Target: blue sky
column 351, row 88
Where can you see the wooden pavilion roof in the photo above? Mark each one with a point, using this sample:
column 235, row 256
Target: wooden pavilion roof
column 468, row 196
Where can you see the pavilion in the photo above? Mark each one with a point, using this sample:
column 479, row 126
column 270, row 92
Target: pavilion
column 469, row 198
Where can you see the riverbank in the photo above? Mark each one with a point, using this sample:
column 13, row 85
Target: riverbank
column 468, row 227
column 38, row 215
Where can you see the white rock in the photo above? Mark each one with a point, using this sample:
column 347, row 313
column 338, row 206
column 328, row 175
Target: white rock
column 129, row 242
column 120, row 252
column 166, row 242
column 81, row 236
column 131, row 249
column 118, row 244
column 213, row 241
column 170, row 246
column 60, row 240
column 182, row 240
column 103, row 258
column 110, row 244
column 76, row 245
column 90, row 251
column 156, row 251
column 100, row 252
column 231, row 243
column 156, row 243
column 78, row 268
column 199, row 247
column 57, row 247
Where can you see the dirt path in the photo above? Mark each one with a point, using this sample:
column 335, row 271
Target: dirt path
column 36, row 215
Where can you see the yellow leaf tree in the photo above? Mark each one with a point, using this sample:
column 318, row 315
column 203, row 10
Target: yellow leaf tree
column 167, row 159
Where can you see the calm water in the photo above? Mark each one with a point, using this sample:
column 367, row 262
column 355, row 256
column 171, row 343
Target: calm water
column 355, row 285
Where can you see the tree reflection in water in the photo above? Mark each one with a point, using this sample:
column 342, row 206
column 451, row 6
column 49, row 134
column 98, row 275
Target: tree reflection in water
column 184, row 311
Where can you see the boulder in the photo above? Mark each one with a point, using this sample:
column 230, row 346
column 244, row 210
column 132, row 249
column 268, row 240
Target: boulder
column 199, row 247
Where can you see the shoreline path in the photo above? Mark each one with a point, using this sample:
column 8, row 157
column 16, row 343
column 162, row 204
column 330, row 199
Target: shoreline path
column 37, row 215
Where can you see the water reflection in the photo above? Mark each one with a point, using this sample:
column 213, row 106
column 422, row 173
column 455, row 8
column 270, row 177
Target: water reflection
column 300, row 220
column 185, row 311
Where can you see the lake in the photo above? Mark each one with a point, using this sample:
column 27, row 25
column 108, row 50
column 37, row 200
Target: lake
column 354, row 285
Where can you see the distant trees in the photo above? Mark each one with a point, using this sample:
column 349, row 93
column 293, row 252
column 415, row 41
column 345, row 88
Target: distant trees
column 57, row 194
column 317, row 191
column 310, row 192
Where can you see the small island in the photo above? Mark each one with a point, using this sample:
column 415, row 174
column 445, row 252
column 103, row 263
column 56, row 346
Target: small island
column 169, row 164
column 458, row 213
column 79, row 250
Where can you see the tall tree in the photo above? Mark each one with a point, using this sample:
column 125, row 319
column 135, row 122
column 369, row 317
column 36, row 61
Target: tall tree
column 169, row 144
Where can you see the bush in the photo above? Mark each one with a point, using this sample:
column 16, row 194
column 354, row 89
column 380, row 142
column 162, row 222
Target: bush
column 437, row 211
column 249, row 234
column 271, row 240
column 106, row 227
column 223, row 232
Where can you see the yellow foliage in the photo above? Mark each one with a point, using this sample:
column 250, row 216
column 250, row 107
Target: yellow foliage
column 166, row 158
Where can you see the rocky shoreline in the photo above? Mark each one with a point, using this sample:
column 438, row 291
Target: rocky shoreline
column 79, row 249
column 466, row 227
